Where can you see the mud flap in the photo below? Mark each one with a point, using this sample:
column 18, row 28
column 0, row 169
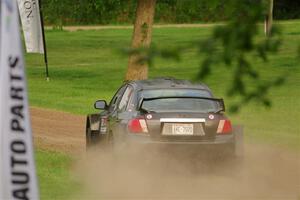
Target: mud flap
column 94, row 121
column 239, row 140
column 92, row 129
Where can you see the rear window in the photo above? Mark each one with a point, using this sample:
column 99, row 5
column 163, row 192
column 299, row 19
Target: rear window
column 174, row 92
column 179, row 104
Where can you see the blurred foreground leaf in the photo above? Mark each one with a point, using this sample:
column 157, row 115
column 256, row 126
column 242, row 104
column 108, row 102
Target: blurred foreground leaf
column 233, row 45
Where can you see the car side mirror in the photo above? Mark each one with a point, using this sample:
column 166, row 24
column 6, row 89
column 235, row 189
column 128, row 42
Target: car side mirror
column 100, row 105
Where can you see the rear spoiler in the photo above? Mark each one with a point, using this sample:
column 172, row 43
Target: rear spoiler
column 220, row 101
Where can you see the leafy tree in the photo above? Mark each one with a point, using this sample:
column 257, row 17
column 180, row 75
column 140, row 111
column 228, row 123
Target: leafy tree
column 68, row 12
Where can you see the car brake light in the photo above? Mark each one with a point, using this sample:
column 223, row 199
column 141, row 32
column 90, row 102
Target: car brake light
column 138, row 126
column 224, row 127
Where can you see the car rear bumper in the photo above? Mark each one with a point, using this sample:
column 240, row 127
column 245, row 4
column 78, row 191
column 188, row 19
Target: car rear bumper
column 147, row 140
column 144, row 145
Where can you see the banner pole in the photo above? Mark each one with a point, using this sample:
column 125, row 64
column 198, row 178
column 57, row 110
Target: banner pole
column 44, row 41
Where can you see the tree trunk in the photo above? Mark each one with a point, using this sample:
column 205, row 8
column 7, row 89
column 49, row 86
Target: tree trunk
column 269, row 19
column 142, row 35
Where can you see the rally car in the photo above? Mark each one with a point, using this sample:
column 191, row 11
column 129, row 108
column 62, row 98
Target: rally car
column 164, row 112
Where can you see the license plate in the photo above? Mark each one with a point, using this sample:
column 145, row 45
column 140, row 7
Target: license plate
column 182, row 129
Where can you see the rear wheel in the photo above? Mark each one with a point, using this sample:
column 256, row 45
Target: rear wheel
column 235, row 149
column 233, row 154
column 239, row 143
column 224, row 152
column 230, row 151
column 92, row 137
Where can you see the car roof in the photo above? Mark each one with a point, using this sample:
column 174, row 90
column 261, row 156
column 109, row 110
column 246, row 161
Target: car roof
column 166, row 83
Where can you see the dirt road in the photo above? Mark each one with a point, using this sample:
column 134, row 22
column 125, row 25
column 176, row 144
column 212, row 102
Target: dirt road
column 103, row 27
column 116, row 27
column 58, row 131
column 267, row 172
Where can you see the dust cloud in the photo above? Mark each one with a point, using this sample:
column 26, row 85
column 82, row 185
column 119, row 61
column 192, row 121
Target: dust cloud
column 265, row 172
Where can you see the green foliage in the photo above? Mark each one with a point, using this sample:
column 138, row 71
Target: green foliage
column 88, row 11
column 190, row 11
column 69, row 12
column 232, row 46
column 238, row 46
column 287, row 9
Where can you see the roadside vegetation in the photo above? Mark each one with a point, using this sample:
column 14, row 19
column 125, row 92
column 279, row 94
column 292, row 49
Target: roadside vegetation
column 89, row 65
column 78, row 12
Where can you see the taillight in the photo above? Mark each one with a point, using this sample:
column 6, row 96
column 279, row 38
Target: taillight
column 138, row 125
column 224, row 127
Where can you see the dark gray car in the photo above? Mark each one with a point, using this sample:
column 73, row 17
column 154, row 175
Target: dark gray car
column 163, row 112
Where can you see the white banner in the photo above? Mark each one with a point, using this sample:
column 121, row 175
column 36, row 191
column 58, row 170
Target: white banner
column 31, row 23
column 17, row 166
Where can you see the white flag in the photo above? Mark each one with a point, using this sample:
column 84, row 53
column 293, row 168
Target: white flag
column 17, row 166
column 31, row 23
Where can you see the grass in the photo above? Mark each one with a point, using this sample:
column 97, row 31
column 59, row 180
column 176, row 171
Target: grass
column 87, row 65
column 55, row 179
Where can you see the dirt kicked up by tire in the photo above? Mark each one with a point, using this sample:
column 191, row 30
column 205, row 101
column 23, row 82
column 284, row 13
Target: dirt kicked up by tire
column 267, row 172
